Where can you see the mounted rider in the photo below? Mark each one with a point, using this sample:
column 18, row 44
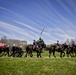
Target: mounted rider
column 58, row 42
column 58, row 45
column 40, row 42
column 35, row 44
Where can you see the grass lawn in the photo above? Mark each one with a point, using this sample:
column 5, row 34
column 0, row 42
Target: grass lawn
column 37, row 66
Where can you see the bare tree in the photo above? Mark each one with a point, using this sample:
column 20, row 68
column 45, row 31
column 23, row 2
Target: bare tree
column 3, row 39
column 72, row 42
column 67, row 42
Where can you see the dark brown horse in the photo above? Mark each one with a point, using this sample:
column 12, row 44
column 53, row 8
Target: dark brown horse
column 4, row 50
column 29, row 50
column 16, row 51
column 56, row 48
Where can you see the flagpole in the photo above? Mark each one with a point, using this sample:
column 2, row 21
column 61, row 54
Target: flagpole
column 40, row 35
column 42, row 32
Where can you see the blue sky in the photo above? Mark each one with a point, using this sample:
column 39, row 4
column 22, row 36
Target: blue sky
column 25, row 19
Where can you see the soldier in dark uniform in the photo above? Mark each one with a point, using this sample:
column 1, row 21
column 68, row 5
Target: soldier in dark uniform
column 40, row 42
column 57, row 42
column 35, row 45
column 57, row 45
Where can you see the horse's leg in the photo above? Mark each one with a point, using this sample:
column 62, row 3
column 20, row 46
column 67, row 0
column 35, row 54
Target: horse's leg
column 26, row 54
column 68, row 55
column 3, row 53
column 0, row 52
column 63, row 54
column 7, row 52
column 71, row 54
column 40, row 54
column 49, row 53
column 37, row 53
column 13, row 54
column 54, row 54
column 75, row 53
column 31, row 54
column 22, row 52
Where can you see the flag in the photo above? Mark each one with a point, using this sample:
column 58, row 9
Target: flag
column 42, row 31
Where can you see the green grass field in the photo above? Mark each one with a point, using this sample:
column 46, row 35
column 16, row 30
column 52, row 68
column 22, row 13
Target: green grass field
column 38, row 66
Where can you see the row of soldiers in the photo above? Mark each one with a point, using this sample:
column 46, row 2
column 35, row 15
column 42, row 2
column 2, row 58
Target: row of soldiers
column 38, row 42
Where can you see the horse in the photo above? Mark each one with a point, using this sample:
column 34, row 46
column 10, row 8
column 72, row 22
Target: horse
column 29, row 50
column 71, row 50
column 39, row 51
column 51, row 50
column 56, row 48
column 5, row 50
column 61, row 49
column 16, row 51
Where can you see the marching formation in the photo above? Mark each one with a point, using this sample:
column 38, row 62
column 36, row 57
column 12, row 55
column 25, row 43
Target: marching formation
column 38, row 46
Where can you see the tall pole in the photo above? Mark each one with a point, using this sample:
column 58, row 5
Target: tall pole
column 42, row 32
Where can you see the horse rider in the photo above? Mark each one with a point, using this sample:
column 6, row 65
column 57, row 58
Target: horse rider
column 57, row 42
column 41, row 40
column 58, row 45
column 35, row 44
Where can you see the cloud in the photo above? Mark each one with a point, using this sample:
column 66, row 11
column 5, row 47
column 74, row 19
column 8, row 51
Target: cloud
column 28, row 26
column 16, row 30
